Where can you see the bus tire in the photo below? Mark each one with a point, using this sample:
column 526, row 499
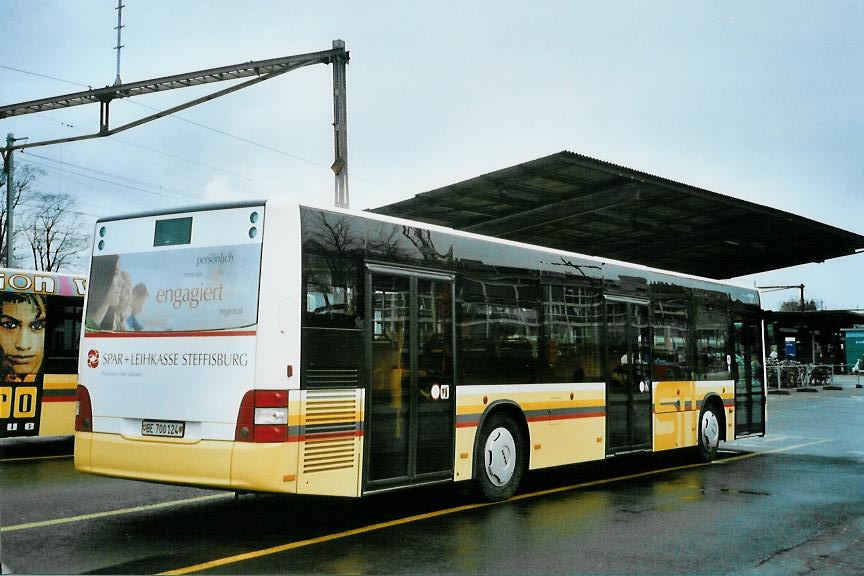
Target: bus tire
column 709, row 433
column 500, row 457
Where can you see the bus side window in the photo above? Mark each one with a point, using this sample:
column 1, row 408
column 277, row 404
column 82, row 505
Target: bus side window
column 63, row 327
column 332, row 259
column 672, row 338
column 498, row 329
column 713, row 353
column 333, row 304
column 572, row 319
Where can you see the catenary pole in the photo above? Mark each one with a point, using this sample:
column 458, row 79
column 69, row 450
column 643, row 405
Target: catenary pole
column 340, row 125
column 119, row 46
column 10, row 197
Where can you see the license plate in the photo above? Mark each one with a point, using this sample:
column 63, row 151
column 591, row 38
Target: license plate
column 168, row 429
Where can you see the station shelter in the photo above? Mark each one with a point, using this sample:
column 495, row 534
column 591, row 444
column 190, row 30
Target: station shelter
column 580, row 204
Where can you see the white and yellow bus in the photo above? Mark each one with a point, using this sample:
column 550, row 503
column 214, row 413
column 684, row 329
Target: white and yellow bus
column 278, row 347
column 40, row 328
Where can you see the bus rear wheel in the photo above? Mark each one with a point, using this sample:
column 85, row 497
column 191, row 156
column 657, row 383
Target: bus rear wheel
column 709, row 434
column 499, row 461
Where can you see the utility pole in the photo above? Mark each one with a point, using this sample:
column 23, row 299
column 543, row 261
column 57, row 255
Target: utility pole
column 9, row 168
column 776, row 288
column 340, row 125
column 119, row 27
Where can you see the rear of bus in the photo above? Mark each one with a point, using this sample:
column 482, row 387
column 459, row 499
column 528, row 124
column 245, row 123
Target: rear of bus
column 189, row 382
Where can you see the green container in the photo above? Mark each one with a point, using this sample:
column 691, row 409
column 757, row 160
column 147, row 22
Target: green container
column 854, row 345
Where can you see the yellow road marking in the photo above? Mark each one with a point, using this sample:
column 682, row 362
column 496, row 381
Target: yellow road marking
column 326, row 538
column 118, row 512
column 34, row 458
column 448, row 511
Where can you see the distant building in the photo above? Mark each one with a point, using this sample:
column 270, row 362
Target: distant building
column 813, row 337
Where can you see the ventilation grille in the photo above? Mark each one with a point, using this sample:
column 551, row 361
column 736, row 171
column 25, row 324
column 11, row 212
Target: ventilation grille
column 331, row 377
column 330, row 429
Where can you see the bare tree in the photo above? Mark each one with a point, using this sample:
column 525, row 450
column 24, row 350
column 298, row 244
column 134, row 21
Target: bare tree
column 52, row 229
column 25, row 180
column 795, row 306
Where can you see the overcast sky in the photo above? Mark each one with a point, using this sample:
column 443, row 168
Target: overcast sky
column 756, row 100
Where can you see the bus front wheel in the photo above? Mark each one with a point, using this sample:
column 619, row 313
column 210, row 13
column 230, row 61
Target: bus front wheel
column 709, row 433
column 500, row 457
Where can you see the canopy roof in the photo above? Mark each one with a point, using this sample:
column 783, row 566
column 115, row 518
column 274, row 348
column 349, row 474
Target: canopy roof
column 580, row 204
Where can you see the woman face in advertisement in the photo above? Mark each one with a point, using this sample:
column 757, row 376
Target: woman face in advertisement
column 22, row 333
column 104, row 289
column 116, row 291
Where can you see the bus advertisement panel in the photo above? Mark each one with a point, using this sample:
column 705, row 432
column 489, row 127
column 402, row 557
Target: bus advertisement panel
column 40, row 325
column 170, row 325
column 183, row 290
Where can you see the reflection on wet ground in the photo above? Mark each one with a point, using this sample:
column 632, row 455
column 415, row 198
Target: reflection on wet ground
column 662, row 513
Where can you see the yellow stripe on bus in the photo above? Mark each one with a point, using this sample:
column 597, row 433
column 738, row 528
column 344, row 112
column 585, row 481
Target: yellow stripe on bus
column 59, row 381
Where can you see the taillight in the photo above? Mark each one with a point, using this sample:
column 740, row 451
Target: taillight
column 83, row 410
column 263, row 417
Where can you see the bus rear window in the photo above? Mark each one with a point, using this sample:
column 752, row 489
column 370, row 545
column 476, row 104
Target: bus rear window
column 173, row 231
column 185, row 289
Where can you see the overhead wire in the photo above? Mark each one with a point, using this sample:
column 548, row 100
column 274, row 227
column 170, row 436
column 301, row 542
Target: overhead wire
column 98, row 207
column 176, row 157
column 159, row 189
column 234, row 136
column 45, row 76
column 96, row 178
column 221, row 132
column 113, row 143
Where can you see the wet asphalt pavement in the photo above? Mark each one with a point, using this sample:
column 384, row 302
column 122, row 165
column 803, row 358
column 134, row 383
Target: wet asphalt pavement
column 789, row 503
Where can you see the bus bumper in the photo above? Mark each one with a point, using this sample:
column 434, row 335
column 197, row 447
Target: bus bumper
column 207, row 463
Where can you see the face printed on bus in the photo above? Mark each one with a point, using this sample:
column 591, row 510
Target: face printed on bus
column 22, row 335
column 116, row 291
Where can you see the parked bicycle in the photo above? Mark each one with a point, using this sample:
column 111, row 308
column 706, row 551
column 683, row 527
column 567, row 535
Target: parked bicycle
column 786, row 374
column 819, row 376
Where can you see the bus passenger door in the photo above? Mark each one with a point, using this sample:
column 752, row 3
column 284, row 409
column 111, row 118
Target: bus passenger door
column 749, row 375
column 410, row 415
column 628, row 376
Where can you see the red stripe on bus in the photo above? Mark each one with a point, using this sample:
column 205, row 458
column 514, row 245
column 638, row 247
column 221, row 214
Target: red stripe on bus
column 475, row 423
column 70, row 398
column 169, row 334
column 566, row 416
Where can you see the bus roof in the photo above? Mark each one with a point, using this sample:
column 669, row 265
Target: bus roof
column 602, row 262
column 434, row 227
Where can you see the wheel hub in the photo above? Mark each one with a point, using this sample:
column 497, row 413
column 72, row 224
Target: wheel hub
column 500, row 456
column 710, row 430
